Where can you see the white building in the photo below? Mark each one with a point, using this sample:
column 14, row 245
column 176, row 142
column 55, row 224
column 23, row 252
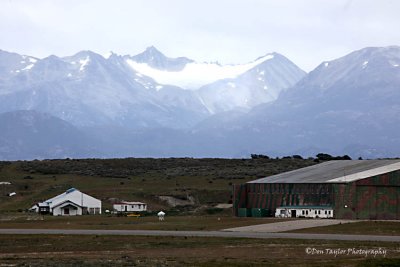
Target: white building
column 71, row 202
column 304, row 212
column 125, row 206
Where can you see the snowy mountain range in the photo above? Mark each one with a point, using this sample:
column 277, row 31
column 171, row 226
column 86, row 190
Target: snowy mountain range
column 153, row 105
column 350, row 105
column 147, row 90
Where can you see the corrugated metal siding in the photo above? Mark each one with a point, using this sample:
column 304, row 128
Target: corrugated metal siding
column 376, row 198
column 239, row 197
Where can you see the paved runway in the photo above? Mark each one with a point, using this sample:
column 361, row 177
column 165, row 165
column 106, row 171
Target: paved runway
column 288, row 225
column 203, row 234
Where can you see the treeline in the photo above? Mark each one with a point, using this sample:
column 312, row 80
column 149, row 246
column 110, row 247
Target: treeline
column 318, row 157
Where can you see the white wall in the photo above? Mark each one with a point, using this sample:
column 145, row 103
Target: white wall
column 306, row 212
column 59, row 211
column 130, row 207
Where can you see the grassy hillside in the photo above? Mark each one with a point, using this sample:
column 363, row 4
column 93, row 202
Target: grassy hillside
column 205, row 182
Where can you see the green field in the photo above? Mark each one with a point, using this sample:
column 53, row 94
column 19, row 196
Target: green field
column 206, row 181
column 175, row 223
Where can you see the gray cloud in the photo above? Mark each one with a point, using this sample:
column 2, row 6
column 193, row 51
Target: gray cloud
column 234, row 31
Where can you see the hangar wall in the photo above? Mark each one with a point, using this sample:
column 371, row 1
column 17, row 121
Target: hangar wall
column 270, row 196
column 376, row 198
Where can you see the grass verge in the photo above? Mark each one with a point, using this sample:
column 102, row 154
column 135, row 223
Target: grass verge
column 62, row 250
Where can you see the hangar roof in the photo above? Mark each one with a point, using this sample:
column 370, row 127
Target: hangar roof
column 334, row 171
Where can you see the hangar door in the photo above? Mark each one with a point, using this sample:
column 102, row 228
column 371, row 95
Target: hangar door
column 365, row 202
column 378, row 202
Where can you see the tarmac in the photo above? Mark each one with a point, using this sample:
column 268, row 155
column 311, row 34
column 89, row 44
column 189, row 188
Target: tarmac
column 288, row 225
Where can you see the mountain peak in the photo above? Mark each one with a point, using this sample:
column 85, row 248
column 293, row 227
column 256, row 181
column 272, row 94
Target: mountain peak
column 152, row 50
column 86, row 53
column 376, row 57
column 150, row 53
column 155, row 59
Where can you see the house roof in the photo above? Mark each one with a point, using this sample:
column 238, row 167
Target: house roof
column 62, row 195
column 73, row 195
column 129, row 203
column 305, row 207
column 67, row 202
column 335, row 171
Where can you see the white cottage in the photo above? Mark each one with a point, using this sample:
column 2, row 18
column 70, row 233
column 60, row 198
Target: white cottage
column 125, row 206
column 71, row 202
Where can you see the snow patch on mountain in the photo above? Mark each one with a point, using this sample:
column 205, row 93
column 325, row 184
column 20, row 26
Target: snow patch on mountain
column 30, row 66
column 195, row 75
column 84, row 63
column 108, row 54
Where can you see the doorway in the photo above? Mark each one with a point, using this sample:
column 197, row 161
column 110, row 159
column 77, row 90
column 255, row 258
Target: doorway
column 293, row 213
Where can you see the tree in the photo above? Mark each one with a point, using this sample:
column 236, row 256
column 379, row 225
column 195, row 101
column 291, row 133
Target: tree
column 323, row 156
column 259, row 156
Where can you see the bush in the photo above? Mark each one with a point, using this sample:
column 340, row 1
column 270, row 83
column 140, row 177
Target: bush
column 323, row 156
column 212, row 211
column 259, row 156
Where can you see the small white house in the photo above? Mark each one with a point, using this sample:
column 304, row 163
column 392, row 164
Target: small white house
column 125, row 206
column 71, row 202
column 304, row 212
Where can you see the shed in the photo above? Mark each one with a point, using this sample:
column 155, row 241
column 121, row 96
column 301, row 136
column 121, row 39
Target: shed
column 125, row 206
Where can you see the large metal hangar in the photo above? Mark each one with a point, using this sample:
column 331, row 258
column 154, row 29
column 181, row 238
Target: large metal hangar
column 342, row 189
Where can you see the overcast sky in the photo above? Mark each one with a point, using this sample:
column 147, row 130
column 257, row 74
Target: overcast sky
column 229, row 31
